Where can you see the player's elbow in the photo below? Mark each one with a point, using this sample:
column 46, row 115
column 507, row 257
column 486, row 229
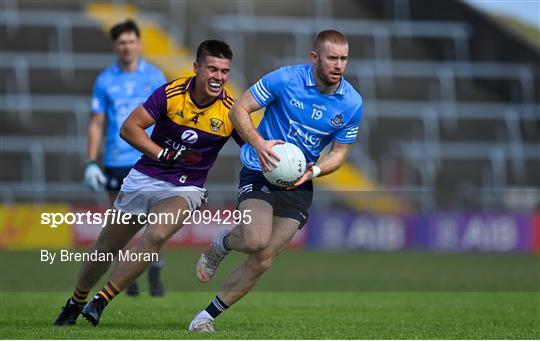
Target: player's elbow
column 125, row 131
column 236, row 112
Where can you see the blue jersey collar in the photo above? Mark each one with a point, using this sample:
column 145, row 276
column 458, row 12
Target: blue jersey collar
column 141, row 65
column 310, row 81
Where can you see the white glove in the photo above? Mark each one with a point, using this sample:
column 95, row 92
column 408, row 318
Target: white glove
column 94, row 178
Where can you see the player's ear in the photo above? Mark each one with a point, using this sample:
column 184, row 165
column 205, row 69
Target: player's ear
column 195, row 67
column 314, row 57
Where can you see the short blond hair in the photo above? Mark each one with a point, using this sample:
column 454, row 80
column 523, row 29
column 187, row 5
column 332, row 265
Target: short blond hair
column 332, row 36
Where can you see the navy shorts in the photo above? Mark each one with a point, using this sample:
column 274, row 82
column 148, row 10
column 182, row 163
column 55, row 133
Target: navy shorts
column 115, row 176
column 292, row 204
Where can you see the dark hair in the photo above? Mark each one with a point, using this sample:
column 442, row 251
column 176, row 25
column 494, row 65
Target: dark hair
column 332, row 36
column 213, row 48
column 123, row 27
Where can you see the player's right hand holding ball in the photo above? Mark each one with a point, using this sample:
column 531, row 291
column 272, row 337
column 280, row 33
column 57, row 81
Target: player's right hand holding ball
column 268, row 159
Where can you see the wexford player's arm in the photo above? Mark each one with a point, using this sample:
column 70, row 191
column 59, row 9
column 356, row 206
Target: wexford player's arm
column 241, row 121
column 133, row 132
column 328, row 163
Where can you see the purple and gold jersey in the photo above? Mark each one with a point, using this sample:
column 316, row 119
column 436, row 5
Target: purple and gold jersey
column 183, row 124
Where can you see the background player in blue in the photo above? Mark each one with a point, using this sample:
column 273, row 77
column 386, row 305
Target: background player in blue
column 117, row 91
column 310, row 106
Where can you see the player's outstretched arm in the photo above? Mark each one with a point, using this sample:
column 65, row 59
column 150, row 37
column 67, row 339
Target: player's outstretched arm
column 132, row 131
column 327, row 164
column 241, row 121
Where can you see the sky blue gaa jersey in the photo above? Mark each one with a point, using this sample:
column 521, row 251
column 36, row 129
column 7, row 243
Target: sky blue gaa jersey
column 116, row 93
column 298, row 113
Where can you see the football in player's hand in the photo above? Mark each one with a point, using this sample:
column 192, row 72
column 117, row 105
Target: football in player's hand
column 291, row 167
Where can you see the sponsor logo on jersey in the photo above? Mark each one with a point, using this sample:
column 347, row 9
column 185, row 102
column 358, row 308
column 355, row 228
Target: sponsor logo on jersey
column 190, row 136
column 307, row 136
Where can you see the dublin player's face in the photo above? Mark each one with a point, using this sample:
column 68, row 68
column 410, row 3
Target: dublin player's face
column 331, row 62
column 127, row 47
column 212, row 74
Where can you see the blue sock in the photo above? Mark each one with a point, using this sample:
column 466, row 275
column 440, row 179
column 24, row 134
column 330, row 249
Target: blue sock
column 216, row 307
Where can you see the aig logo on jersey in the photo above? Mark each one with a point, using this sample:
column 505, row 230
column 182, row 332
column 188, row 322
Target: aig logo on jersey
column 190, row 136
column 307, row 136
column 296, row 103
column 337, row 121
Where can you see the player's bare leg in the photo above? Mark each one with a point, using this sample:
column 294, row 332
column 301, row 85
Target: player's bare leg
column 153, row 238
column 151, row 241
column 247, row 238
column 244, row 277
column 112, row 238
column 156, row 286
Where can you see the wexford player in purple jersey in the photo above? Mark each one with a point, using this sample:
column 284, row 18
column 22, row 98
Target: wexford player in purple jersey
column 311, row 106
column 191, row 125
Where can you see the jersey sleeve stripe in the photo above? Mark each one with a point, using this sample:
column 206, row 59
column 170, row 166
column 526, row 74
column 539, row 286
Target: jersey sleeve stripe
column 263, row 88
column 228, row 100
column 346, row 140
column 178, row 87
column 255, row 96
column 260, row 91
column 258, row 94
column 171, row 95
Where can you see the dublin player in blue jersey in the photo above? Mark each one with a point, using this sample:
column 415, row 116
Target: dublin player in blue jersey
column 118, row 90
column 310, row 106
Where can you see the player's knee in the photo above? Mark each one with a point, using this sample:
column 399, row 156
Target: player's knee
column 255, row 241
column 255, row 244
column 156, row 237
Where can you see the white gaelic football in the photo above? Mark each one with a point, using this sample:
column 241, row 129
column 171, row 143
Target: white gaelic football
column 291, row 167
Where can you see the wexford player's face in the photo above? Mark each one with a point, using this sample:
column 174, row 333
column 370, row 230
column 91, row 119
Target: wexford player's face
column 331, row 61
column 127, row 47
column 212, row 74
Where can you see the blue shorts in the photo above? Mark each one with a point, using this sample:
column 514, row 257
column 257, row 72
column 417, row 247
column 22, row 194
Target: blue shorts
column 115, row 176
column 292, row 204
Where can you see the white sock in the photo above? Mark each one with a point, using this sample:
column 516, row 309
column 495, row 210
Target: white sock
column 218, row 242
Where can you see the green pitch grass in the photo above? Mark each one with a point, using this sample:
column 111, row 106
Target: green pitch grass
column 305, row 295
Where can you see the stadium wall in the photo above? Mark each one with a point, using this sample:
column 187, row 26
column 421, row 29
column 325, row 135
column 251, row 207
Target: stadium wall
column 22, row 227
